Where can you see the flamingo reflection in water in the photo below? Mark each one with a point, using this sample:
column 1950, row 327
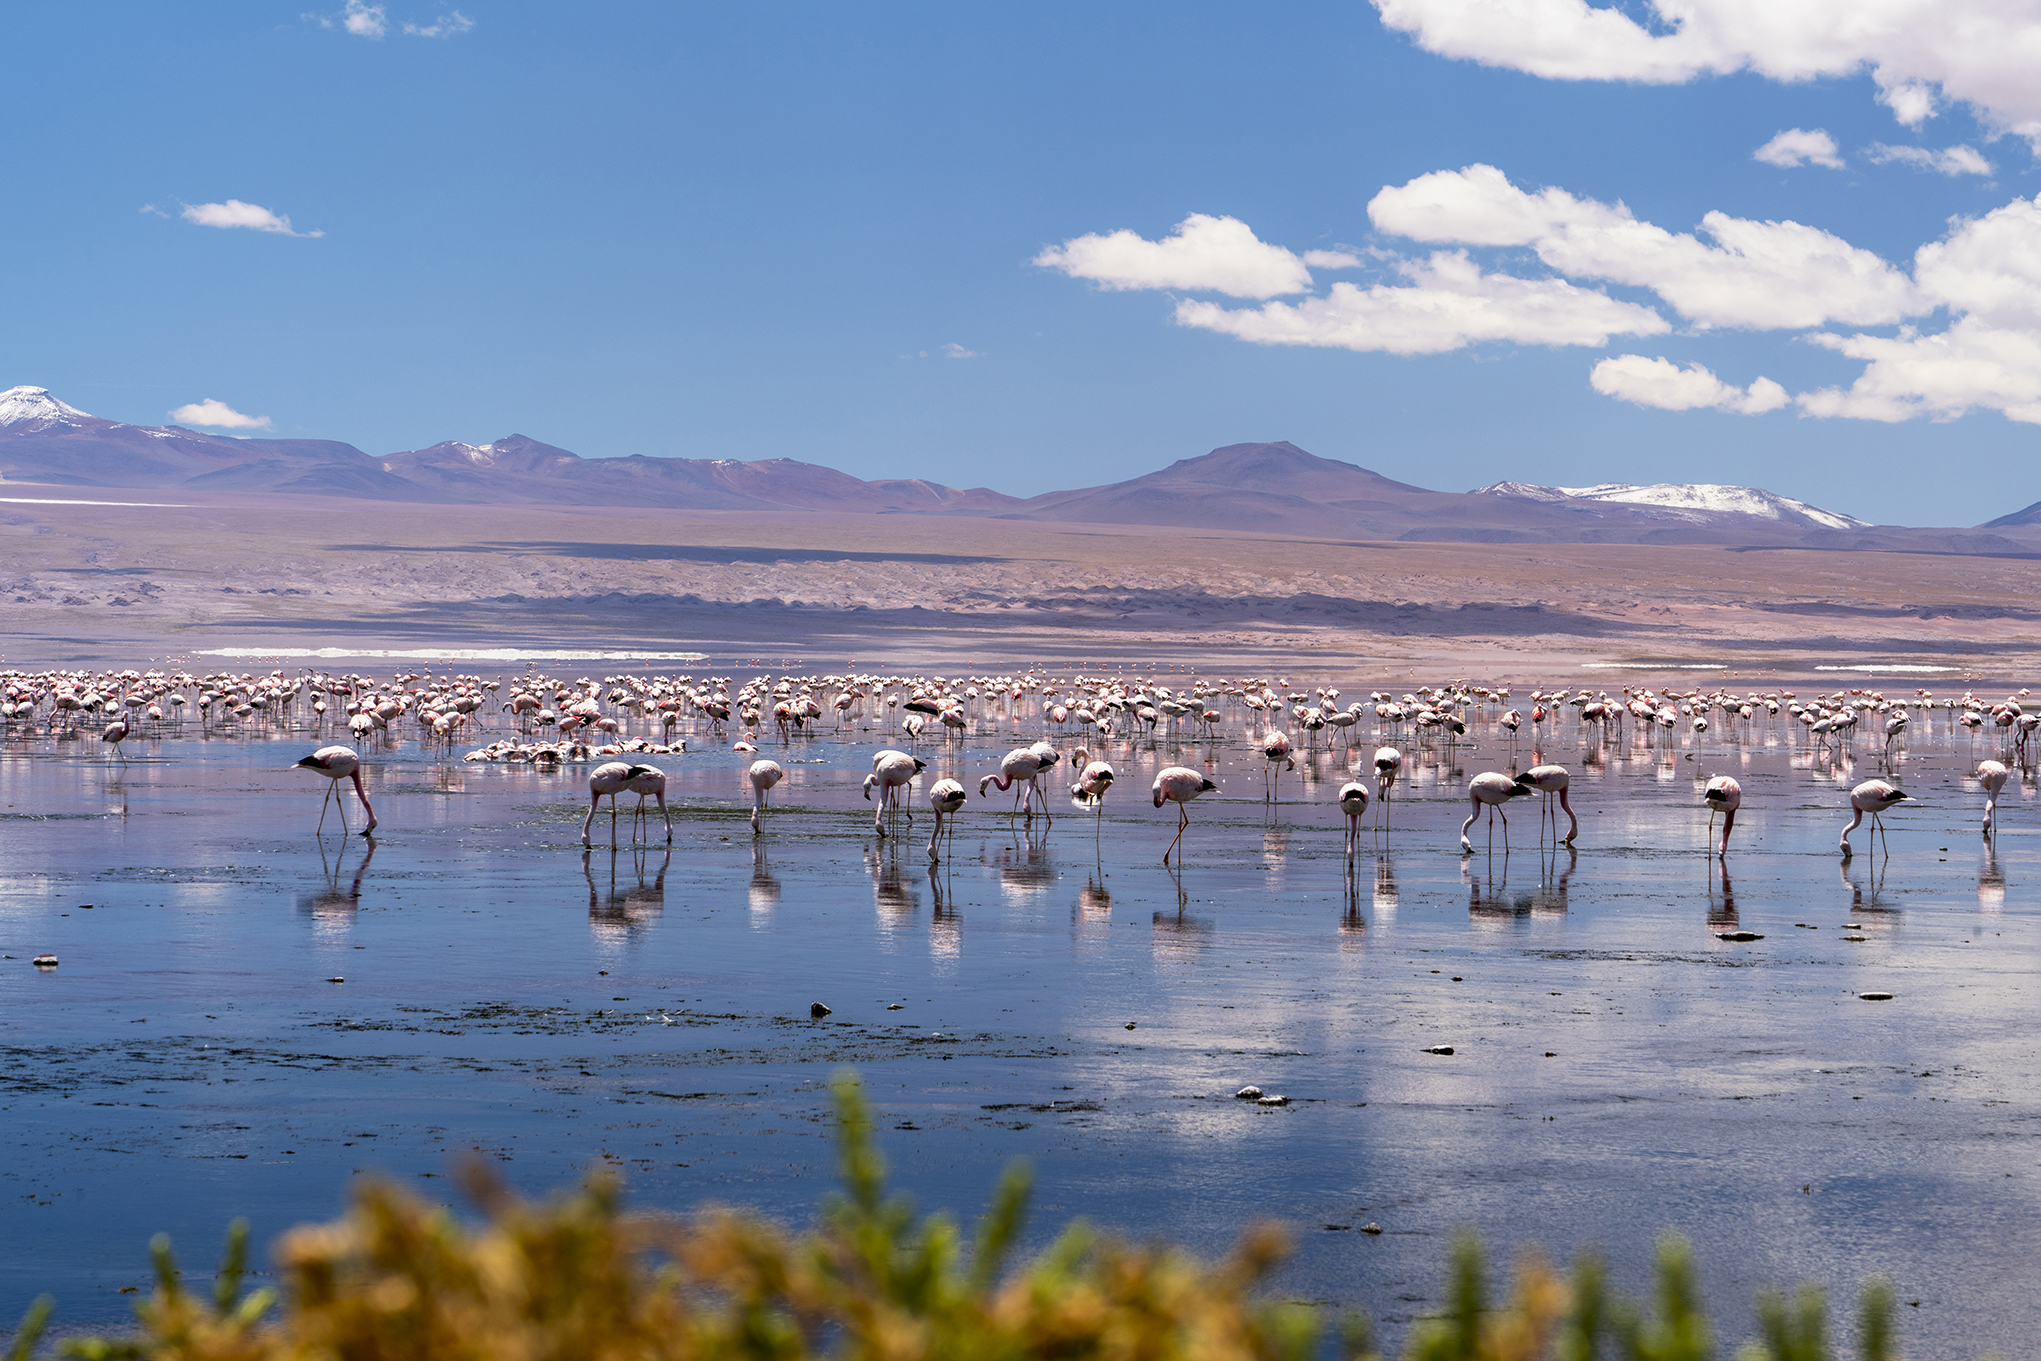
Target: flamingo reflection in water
column 330, row 905
column 624, row 906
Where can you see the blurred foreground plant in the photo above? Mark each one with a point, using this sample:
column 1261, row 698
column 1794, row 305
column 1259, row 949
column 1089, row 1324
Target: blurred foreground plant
column 580, row 1279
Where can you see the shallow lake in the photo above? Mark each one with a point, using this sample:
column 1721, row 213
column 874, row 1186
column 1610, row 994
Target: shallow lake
column 1049, row 992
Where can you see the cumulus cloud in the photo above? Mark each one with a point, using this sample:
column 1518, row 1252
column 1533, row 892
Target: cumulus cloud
column 1667, row 386
column 1987, row 271
column 1800, row 146
column 1206, row 254
column 218, row 415
column 1763, row 275
column 953, row 350
column 1918, row 52
column 449, row 25
column 1955, row 160
column 235, row 213
column 1448, row 304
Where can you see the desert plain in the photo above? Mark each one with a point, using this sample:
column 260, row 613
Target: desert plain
column 94, row 576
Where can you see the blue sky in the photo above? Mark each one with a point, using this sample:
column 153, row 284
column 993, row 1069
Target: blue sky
column 843, row 234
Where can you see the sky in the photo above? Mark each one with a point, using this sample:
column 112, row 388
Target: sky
column 1031, row 247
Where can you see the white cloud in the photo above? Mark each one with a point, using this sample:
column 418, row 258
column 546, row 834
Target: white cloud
column 1987, row 271
column 1215, row 254
column 1663, row 384
column 1331, row 259
column 446, row 26
column 218, row 415
column 151, row 210
column 1449, row 304
column 364, row 20
column 235, row 213
column 1980, row 52
column 1955, row 160
column 1799, row 146
column 1757, row 274
column 953, row 350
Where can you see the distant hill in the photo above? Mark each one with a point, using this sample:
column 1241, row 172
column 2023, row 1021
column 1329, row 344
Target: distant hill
column 2018, row 519
column 1274, row 488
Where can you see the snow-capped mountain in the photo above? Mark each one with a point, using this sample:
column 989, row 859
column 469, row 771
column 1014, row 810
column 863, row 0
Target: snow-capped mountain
column 33, row 409
column 1708, row 497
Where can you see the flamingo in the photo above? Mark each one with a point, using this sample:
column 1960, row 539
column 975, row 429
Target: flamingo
column 606, row 781
column 1179, row 785
column 1019, row 766
column 1046, row 756
column 1388, row 765
column 1873, row 797
column 1093, row 780
column 336, row 764
column 1492, row 788
column 891, row 770
column 1275, row 750
column 763, row 776
column 945, row 797
column 1550, row 780
column 116, row 733
column 650, row 781
column 1992, row 775
column 1723, row 795
column 1353, row 801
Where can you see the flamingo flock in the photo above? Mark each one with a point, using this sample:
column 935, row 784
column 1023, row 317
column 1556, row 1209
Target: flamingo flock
column 619, row 725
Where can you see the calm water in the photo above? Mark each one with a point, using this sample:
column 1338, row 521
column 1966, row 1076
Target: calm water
column 1617, row 1070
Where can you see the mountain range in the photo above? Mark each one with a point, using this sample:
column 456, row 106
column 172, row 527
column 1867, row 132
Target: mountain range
column 1264, row 487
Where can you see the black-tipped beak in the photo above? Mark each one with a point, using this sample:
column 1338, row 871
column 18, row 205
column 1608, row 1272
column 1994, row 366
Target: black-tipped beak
column 311, row 762
column 1207, row 787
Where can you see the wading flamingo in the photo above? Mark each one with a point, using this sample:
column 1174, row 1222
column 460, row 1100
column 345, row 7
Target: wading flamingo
column 892, row 771
column 1873, row 797
column 1723, row 795
column 1017, row 767
column 1491, row 789
column 763, row 776
column 1388, row 765
column 1992, row 775
column 1353, row 801
column 945, row 797
column 650, row 782
column 1275, row 750
column 1179, row 785
column 1550, row 780
column 337, row 764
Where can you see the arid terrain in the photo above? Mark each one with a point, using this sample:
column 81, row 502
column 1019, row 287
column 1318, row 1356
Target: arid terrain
column 91, row 583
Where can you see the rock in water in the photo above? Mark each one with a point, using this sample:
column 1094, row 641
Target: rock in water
column 817, row 1010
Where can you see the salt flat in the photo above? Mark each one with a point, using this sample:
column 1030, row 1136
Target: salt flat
column 86, row 582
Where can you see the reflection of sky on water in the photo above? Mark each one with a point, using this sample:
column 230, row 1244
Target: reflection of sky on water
column 1267, row 958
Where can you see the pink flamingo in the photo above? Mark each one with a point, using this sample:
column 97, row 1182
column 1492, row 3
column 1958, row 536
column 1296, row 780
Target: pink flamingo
column 1550, row 780
column 1179, row 785
column 1491, row 789
column 1353, row 801
column 1873, row 797
column 763, row 776
column 1992, row 775
column 337, row 764
column 946, row 797
column 1723, row 795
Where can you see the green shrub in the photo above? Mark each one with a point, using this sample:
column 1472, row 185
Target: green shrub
column 581, row 1279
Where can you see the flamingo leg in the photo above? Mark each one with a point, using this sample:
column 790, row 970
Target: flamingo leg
column 1711, row 824
column 1183, row 820
column 330, row 787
